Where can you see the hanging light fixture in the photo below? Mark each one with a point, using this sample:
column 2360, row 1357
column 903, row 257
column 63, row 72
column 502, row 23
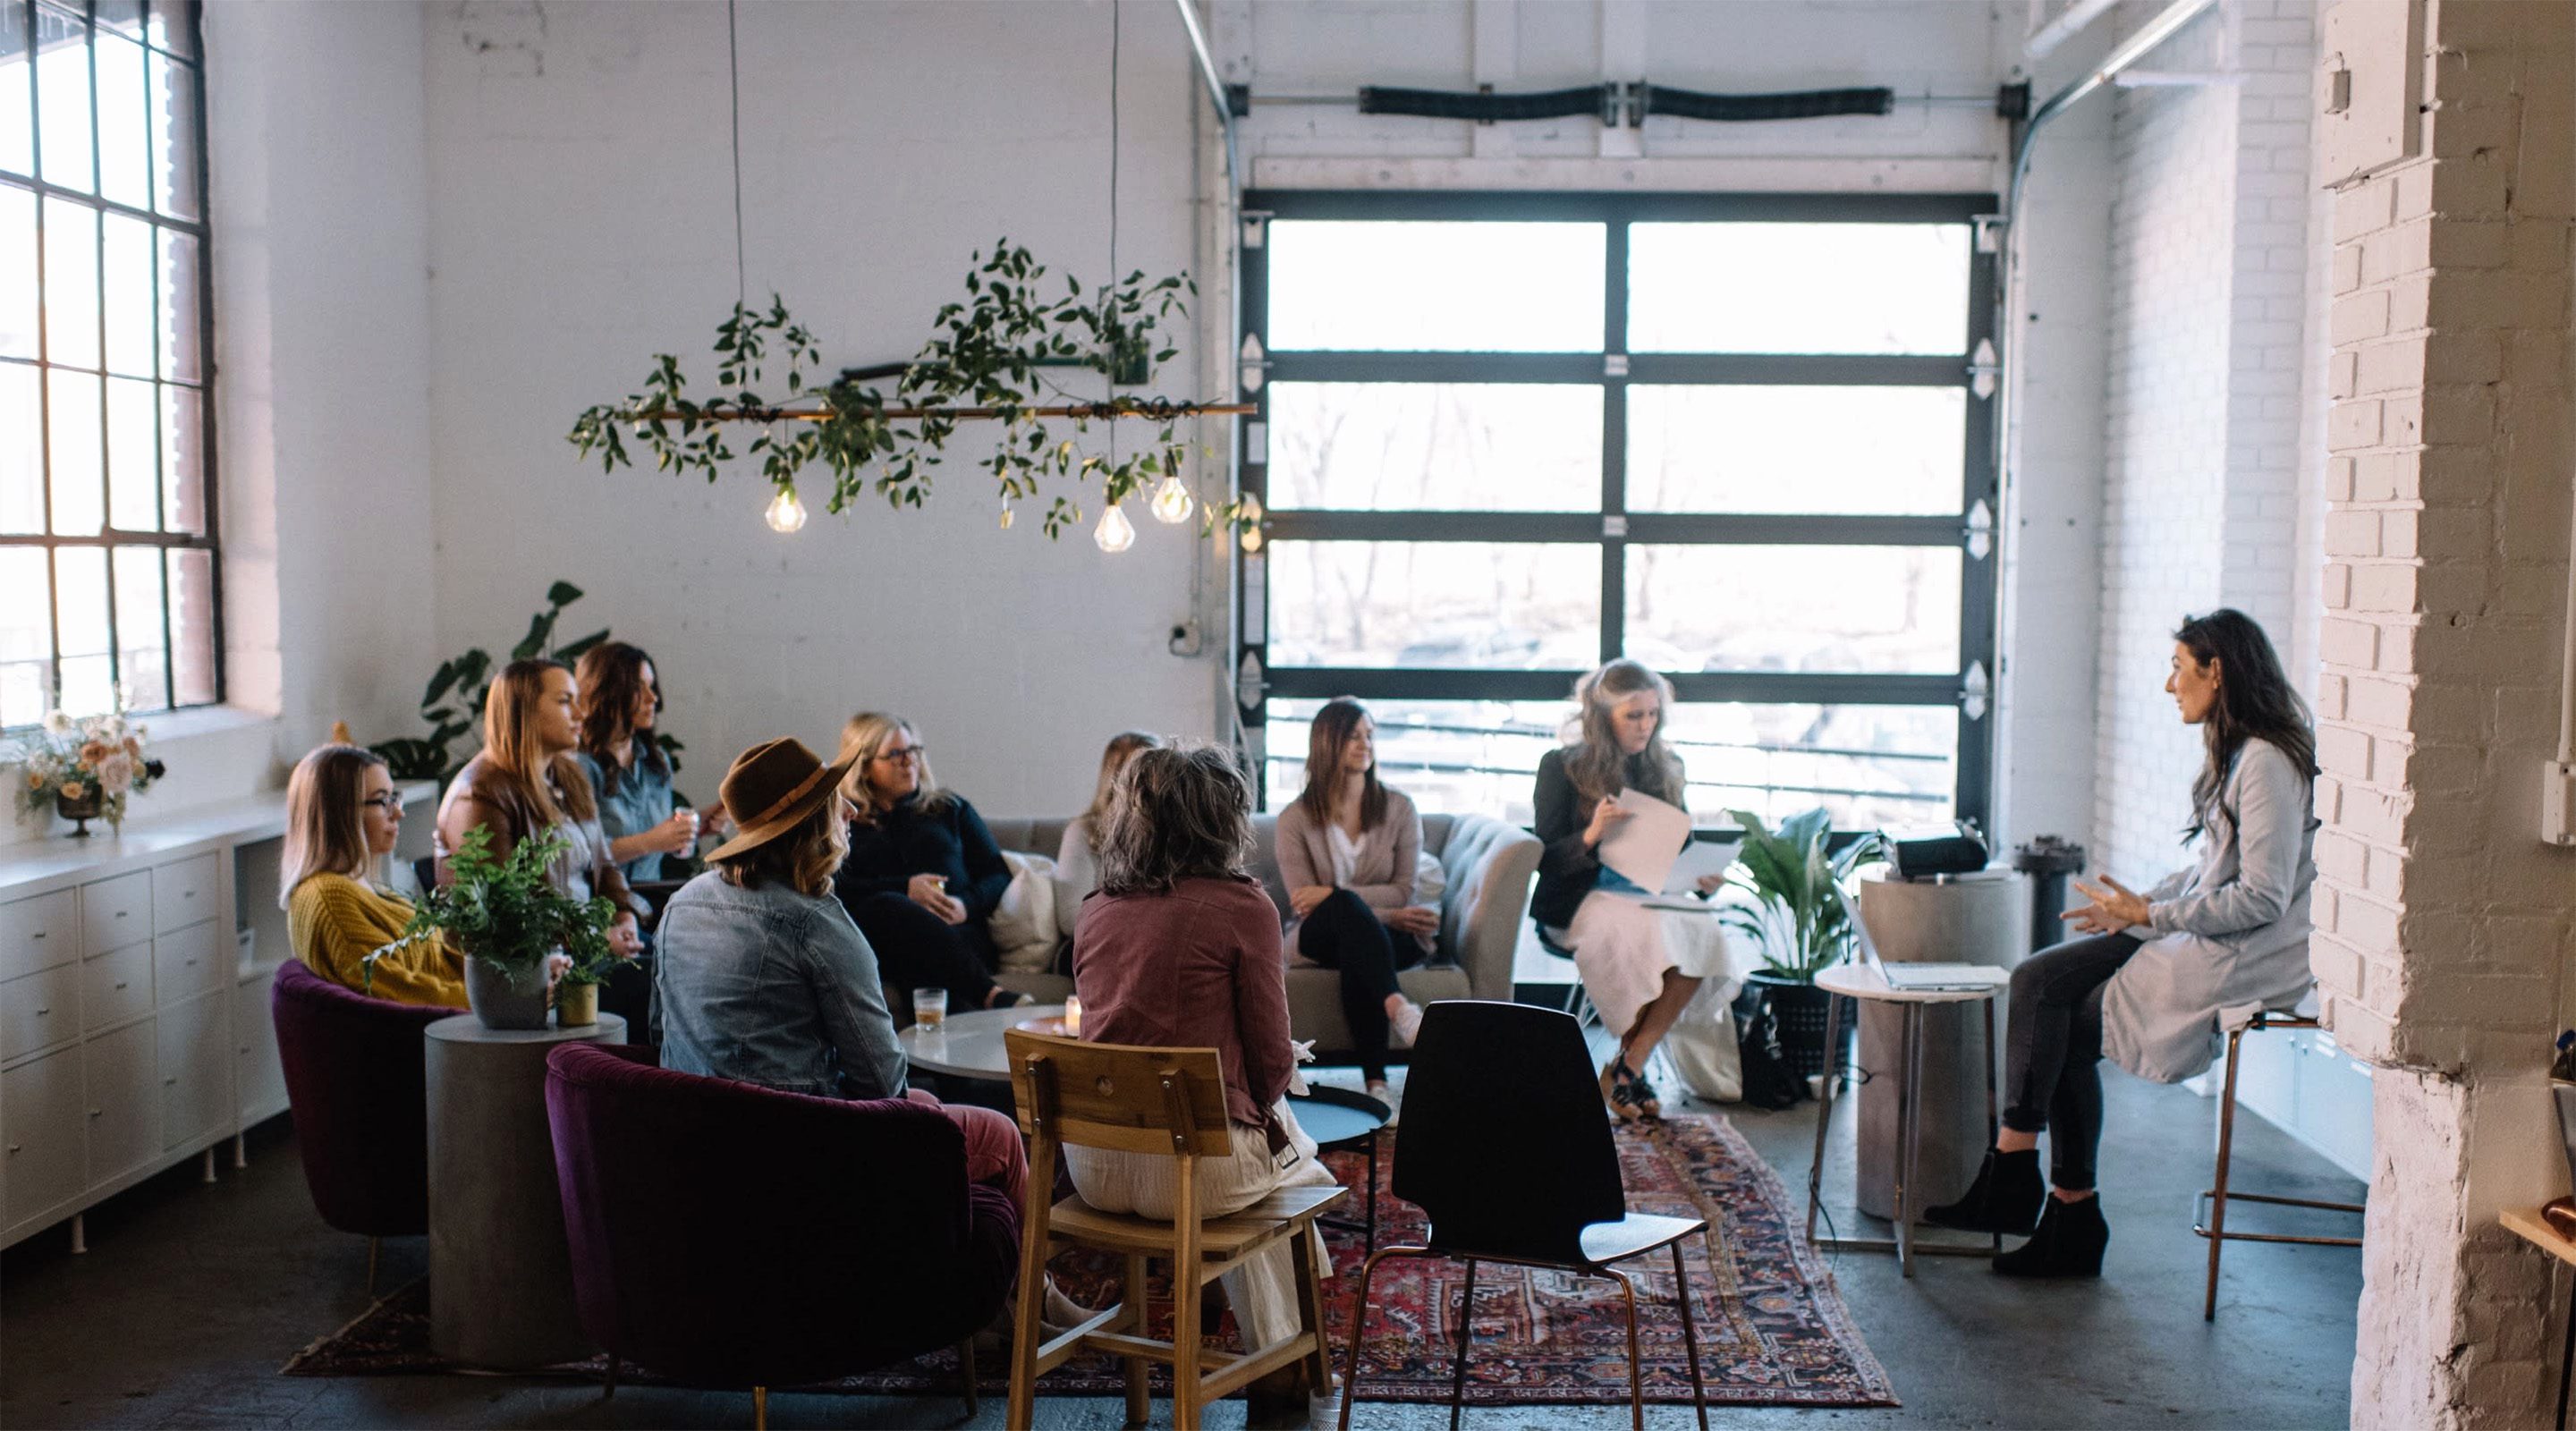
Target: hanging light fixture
column 786, row 514
column 1251, row 519
column 1172, row 502
column 1115, row 533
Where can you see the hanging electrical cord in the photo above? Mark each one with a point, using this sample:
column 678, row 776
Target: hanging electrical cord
column 733, row 68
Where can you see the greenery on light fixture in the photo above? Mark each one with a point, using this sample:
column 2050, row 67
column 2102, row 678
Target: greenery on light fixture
column 986, row 361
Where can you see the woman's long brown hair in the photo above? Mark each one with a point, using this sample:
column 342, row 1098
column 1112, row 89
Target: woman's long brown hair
column 611, row 676
column 326, row 831
column 517, row 765
column 2255, row 702
column 1122, row 747
column 1332, row 729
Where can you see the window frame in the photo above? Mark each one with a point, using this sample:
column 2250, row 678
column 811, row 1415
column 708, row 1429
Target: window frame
column 186, row 17
column 1613, row 527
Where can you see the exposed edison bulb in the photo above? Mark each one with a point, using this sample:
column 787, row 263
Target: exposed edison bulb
column 1251, row 540
column 1115, row 533
column 1006, row 516
column 786, row 514
column 1172, row 502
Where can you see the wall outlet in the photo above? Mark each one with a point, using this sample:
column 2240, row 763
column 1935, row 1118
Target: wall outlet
column 2558, row 803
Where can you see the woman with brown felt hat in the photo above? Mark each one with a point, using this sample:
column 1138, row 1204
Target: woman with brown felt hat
column 765, row 979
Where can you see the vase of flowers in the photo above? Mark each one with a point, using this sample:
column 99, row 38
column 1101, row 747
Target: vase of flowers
column 511, row 920
column 82, row 770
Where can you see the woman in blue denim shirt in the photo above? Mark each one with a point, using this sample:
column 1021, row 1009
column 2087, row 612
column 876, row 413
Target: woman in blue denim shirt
column 764, row 978
column 621, row 703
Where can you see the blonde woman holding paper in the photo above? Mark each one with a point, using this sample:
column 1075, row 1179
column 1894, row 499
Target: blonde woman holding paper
column 1641, row 966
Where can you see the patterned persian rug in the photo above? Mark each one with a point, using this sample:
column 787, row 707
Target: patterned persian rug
column 1772, row 1329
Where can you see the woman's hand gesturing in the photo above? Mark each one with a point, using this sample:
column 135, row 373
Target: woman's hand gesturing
column 2114, row 907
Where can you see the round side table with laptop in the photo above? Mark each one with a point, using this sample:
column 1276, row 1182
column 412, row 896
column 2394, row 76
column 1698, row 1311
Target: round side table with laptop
column 1860, row 981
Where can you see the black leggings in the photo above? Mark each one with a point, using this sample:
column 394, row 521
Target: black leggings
column 916, row 949
column 1344, row 933
column 2054, row 1039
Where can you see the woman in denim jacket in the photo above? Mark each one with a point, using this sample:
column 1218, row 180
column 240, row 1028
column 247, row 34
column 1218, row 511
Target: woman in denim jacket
column 764, row 978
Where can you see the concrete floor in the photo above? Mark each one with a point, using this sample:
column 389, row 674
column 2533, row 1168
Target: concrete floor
column 191, row 1297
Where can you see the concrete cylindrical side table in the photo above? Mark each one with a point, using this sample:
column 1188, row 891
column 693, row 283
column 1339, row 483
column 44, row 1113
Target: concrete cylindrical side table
column 500, row 1272
column 1972, row 919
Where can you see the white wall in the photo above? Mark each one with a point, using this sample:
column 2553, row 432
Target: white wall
column 317, row 204
column 580, row 221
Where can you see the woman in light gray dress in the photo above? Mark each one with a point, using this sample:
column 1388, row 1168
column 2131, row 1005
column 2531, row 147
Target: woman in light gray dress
column 2157, row 971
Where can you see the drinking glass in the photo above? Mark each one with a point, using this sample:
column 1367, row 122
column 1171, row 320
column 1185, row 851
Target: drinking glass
column 929, row 1009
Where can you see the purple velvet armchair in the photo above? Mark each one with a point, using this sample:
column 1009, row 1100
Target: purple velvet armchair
column 729, row 1235
column 356, row 1085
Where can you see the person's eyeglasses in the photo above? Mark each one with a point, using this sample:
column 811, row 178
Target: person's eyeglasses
column 389, row 801
column 912, row 753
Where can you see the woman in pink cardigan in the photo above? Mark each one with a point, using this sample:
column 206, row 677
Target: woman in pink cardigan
column 1347, row 850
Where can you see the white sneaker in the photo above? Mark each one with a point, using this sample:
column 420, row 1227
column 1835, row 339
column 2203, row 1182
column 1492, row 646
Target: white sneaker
column 1405, row 1024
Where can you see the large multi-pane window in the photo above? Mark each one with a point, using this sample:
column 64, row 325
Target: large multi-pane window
column 107, row 515
column 1504, row 438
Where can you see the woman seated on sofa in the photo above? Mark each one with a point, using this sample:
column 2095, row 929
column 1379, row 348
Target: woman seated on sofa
column 525, row 781
column 630, row 777
column 342, row 818
column 1077, row 855
column 923, row 873
column 1181, row 949
column 1641, row 966
column 1348, row 850
column 765, row 979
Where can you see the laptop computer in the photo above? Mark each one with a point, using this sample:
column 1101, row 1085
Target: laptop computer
column 1912, row 977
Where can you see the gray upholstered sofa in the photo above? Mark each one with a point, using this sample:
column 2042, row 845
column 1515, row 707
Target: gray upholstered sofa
column 1489, row 864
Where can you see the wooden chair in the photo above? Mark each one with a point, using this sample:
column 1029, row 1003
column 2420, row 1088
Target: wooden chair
column 1156, row 1101
column 2209, row 1218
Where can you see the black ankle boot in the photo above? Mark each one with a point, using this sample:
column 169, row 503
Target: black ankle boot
column 2068, row 1243
column 2005, row 1198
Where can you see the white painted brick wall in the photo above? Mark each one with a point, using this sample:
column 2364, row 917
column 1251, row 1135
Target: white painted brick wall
column 2444, row 926
column 2210, row 299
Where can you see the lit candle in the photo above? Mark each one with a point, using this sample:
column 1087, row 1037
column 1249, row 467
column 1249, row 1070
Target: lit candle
column 1072, row 1016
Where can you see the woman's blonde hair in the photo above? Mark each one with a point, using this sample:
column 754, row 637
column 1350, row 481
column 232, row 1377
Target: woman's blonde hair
column 1122, row 748
column 1594, row 761
column 867, row 733
column 326, row 831
column 519, row 765
column 1178, row 812
column 804, row 858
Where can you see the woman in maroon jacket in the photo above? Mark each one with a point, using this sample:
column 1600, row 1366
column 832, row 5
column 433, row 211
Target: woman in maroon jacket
column 1180, row 948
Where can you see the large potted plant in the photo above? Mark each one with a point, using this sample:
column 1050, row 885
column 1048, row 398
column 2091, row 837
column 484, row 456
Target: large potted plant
column 509, row 919
column 1792, row 915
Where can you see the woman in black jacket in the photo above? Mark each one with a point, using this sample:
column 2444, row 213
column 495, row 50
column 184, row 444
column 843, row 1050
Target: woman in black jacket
column 923, row 874
column 1640, row 966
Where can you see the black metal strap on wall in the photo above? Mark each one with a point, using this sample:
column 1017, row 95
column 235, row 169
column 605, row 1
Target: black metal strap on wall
column 1600, row 101
column 1743, row 108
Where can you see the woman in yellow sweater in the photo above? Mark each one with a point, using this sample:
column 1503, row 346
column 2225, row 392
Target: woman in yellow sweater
column 342, row 817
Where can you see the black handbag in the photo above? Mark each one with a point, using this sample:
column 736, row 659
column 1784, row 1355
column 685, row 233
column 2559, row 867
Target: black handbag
column 1768, row 1080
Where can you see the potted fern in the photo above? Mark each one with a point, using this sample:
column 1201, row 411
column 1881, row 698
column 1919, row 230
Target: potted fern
column 509, row 918
column 1793, row 917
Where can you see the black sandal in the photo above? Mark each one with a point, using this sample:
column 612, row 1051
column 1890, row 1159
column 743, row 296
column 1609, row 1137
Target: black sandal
column 1631, row 1096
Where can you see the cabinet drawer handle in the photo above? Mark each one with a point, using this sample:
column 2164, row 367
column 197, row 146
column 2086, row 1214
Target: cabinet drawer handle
column 39, row 937
column 13, row 1147
column 170, row 1080
column 94, row 1112
column 40, row 1013
column 120, row 914
column 120, row 983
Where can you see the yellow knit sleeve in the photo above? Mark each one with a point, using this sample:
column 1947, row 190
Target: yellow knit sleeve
column 335, row 923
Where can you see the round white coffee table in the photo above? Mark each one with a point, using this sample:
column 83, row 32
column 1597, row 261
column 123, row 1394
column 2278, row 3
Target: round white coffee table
column 1859, row 981
column 969, row 1045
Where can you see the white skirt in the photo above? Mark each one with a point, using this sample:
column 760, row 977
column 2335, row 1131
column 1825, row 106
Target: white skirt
column 1622, row 949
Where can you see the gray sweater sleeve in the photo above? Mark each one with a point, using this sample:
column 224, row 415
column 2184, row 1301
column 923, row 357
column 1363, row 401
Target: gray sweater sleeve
column 2271, row 819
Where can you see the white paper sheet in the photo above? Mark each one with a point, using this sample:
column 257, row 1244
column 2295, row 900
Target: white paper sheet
column 1643, row 848
column 1698, row 858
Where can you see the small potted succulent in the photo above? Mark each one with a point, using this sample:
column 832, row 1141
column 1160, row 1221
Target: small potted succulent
column 510, row 919
column 83, row 770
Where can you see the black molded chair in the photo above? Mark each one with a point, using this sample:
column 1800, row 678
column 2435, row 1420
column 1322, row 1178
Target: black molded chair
column 1505, row 1146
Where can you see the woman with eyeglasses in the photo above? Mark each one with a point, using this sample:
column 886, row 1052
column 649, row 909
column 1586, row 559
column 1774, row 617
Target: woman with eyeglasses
column 621, row 703
column 923, row 873
column 343, row 816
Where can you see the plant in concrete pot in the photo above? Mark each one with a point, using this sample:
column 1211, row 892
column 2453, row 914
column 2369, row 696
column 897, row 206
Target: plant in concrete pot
column 509, row 918
column 1791, row 914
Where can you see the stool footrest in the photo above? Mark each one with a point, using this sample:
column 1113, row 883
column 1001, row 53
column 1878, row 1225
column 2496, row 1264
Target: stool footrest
column 2200, row 1219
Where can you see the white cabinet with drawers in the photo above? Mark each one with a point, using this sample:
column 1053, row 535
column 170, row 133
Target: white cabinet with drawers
column 134, row 1030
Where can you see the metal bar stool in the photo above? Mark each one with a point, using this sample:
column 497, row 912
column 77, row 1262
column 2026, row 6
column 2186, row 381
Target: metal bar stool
column 2209, row 1215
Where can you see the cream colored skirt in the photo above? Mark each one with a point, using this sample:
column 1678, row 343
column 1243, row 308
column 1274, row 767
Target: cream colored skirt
column 1263, row 1291
column 1622, row 948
